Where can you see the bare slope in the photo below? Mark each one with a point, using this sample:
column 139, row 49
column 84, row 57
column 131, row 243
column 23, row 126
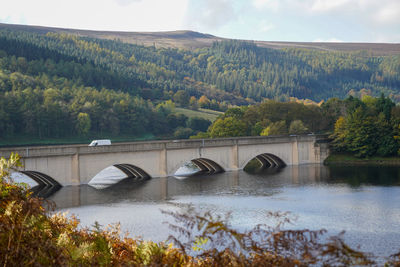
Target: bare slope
column 374, row 48
column 176, row 39
column 192, row 40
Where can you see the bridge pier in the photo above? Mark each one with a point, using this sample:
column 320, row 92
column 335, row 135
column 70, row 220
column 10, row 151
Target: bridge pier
column 235, row 157
column 295, row 152
column 76, row 176
column 163, row 168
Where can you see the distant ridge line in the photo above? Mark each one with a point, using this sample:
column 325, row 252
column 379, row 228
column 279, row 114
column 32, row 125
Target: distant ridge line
column 188, row 39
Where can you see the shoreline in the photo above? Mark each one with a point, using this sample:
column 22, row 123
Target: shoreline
column 348, row 159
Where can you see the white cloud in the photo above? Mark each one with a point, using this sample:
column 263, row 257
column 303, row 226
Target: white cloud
column 327, row 5
column 370, row 11
column 265, row 26
column 358, row 15
column 269, row 4
column 124, row 15
column 126, row 2
column 388, row 14
column 209, row 14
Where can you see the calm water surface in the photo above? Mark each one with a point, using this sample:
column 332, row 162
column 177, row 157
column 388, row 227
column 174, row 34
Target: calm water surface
column 363, row 201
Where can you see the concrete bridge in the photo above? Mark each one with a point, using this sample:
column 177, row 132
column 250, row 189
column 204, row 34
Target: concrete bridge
column 78, row 164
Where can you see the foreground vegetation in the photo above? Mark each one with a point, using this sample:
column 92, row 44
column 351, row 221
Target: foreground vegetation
column 30, row 235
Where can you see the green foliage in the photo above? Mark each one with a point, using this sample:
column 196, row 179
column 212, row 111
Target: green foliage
column 275, row 128
column 200, row 135
column 297, row 127
column 273, row 118
column 368, row 129
column 182, row 98
column 193, row 103
column 236, row 113
column 183, row 133
column 259, row 126
column 386, row 141
column 176, row 120
column 198, row 124
column 166, row 107
column 7, row 165
column 340, row 135
column 83, row 123
column 227, row 127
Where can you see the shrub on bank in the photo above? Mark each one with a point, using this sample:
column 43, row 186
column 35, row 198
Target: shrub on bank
column 29, row 235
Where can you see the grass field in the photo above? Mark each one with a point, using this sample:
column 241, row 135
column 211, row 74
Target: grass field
column 202, row 113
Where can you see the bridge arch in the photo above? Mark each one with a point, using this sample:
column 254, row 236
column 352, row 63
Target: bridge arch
column 41, row 178
column 133, row 171
column 267, row 160
column 115, row 173
column 205, row 165
column 43, row 185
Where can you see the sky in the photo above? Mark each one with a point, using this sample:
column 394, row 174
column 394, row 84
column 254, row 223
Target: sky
column 266, row 20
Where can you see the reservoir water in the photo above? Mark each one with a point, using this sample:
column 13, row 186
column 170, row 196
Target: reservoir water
column 363, row 201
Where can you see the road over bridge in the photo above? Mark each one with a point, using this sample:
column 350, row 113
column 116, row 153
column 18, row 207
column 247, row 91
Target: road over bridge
column 78, row 164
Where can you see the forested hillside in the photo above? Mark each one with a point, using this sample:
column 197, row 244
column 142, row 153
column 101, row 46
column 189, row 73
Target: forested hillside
column 56, row 84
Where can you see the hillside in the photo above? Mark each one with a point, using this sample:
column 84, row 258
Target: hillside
column 231, row 71
column 58, row 82
column 193, row 40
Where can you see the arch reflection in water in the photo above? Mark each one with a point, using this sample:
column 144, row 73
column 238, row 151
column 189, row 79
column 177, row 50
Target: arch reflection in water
column 198, row 166
column 115, row 174
column 157, row 190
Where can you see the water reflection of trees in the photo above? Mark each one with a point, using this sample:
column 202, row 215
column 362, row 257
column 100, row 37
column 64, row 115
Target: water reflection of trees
column 356, row 176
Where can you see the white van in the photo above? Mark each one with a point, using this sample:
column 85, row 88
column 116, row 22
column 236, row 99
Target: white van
column 104, row 142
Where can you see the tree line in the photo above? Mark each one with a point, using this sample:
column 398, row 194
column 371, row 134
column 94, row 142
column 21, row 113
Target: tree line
column 365, row 127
